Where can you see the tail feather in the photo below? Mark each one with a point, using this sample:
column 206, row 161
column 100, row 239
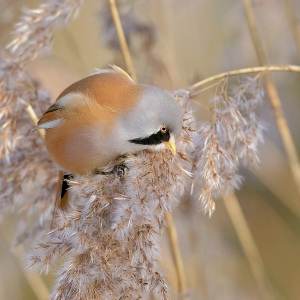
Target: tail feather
column 61, row 200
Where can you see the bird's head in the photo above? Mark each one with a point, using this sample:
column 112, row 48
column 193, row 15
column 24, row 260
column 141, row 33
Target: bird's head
column 155, row 121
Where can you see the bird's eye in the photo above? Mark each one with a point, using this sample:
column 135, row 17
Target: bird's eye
column 163, row 128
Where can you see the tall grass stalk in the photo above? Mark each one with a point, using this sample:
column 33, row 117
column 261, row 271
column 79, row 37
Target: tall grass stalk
column 273, row 96
column 292, row 17
column 248, row 244
column 171, row 228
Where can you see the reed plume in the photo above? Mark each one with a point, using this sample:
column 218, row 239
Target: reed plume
column 110, row 237
column 24, row 163
column 107, row 242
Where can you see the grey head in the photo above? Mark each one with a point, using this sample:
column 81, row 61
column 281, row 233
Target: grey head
column 155, row 120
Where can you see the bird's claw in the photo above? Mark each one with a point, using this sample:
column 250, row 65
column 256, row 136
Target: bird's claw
column 119, row 170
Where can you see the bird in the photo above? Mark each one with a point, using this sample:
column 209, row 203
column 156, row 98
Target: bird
column 106, row 115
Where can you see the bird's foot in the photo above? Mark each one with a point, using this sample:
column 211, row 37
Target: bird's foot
column 119, row 170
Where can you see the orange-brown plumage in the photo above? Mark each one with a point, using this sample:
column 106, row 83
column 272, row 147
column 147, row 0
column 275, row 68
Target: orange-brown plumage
column 104, row 97
column 106, row 115
column 107, row 89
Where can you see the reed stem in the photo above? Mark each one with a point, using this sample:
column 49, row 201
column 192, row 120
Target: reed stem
column 271, row 68
column 121, row 36
column 169, row 219
column 293, row 22
column 173, row 238
column 248, row 244
column 273, row 97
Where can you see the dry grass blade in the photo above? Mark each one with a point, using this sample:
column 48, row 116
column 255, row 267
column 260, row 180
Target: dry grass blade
column 35, row 281
column 273, row 96
column 33, row 116
column 248, row 244
column 173, row 237
column 271, row 68
column 293, row 22
column 257, row 42
column 122, row 40
column 171, row 226
column 37, row 285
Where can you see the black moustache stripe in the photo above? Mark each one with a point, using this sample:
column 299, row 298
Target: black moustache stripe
column 154, row 139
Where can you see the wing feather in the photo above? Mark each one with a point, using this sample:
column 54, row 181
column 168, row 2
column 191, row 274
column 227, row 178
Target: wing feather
column 54, row 115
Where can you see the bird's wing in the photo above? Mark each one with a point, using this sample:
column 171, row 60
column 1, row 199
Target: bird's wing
column 55, row 113
column 113, row 91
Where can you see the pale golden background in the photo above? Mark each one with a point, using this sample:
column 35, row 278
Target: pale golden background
column 194, row 40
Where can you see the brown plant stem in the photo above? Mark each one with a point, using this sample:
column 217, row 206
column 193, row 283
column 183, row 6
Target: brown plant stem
column 121, row 36
column 36, row 283
column 248, row 244
column 273, row 96
column 290, row 9
column 173, row 238
column 169, row 219
column 32, row 115
column 271, row 68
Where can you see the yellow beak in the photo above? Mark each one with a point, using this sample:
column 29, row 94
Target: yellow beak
column 171, row 146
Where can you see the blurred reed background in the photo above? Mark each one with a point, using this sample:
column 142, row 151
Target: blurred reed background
column 175, row 44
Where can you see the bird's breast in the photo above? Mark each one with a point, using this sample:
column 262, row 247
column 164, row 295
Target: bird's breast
column 80, row 147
